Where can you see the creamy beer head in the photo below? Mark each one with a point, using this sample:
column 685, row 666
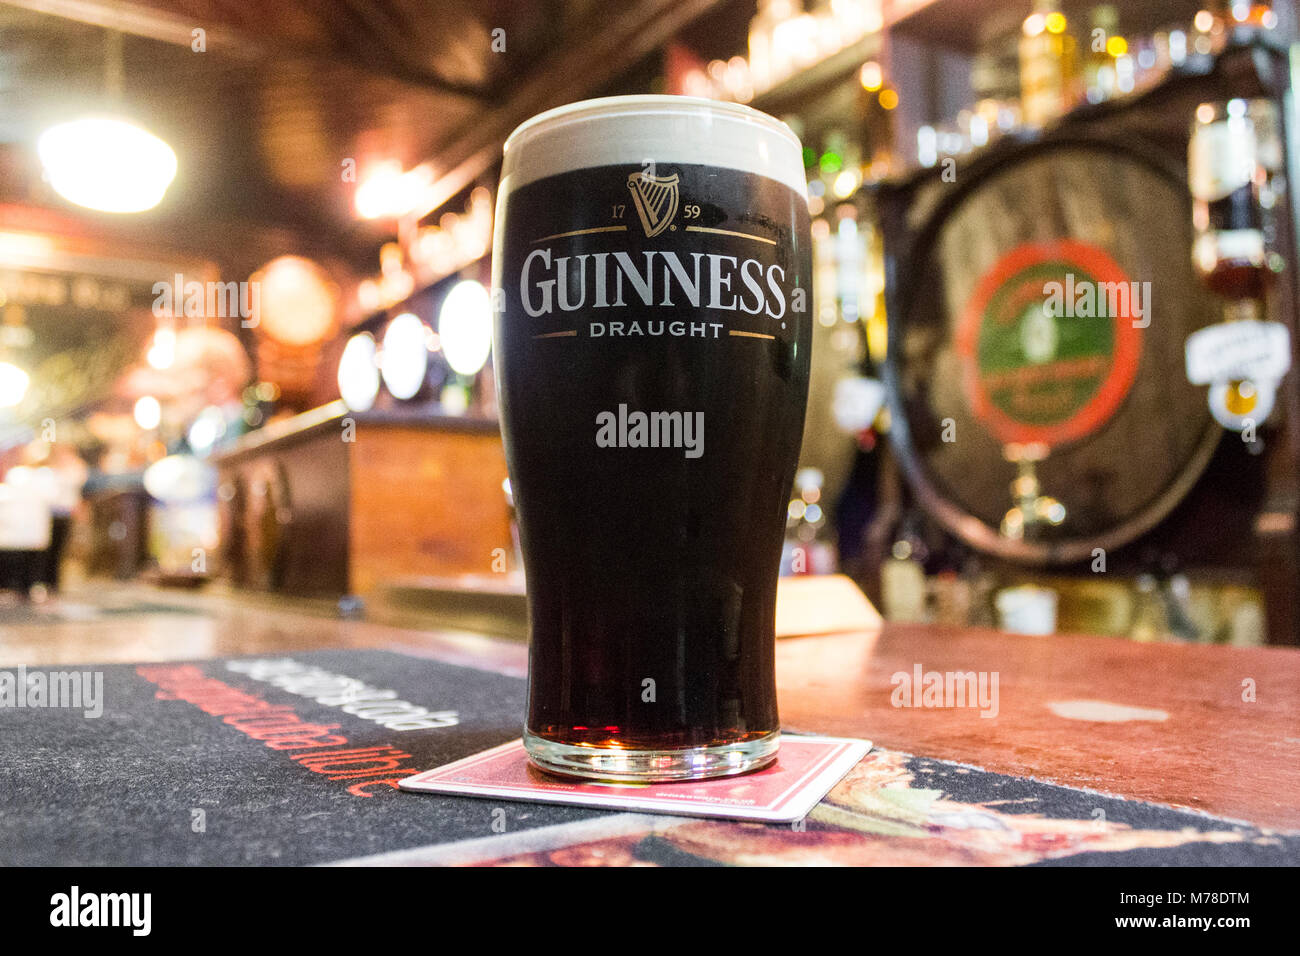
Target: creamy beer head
column 652, row 279
column 622, row 130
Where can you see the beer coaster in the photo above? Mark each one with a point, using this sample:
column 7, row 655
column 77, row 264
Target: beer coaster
column 805, row 770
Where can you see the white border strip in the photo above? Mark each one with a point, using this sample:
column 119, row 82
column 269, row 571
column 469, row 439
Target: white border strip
column 538, row 840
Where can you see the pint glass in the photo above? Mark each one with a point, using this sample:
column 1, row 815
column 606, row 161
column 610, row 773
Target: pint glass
column 651, row 272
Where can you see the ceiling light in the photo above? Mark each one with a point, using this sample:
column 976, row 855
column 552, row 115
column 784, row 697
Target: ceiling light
column 388, row 193
column 106, row 164
column 296, row 301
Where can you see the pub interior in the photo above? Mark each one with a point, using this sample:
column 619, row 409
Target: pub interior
column 249, row 413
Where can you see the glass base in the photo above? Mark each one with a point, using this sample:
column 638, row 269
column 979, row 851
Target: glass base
column 652, row 766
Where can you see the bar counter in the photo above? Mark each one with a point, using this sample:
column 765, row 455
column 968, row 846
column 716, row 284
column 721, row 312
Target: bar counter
column 335, row 502
column 1100, row 745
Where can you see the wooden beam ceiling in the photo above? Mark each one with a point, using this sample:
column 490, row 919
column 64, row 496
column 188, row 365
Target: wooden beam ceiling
column 309, row 82
column 575, row 70
column 351, row 35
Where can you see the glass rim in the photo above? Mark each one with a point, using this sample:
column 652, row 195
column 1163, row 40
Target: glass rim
column 648, row 104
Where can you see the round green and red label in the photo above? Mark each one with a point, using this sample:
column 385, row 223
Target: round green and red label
column 1048, row 342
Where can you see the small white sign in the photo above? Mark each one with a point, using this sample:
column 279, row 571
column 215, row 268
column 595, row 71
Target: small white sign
column 1230, row 351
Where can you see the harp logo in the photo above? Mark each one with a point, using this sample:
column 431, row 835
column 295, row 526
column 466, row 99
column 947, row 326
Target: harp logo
column 655, row 198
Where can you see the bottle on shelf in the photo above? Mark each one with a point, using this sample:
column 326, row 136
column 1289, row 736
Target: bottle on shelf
column 903, row 583
column 1099, row 76
column 1245, row 13
column 808, row 548
column 1048, row 64
column 1232, row 156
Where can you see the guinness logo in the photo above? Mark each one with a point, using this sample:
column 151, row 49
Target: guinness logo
column 655, row 198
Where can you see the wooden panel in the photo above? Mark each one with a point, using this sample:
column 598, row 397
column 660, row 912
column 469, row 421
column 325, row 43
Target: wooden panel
column 119, row 533
column 315, row 545
column 425, row 502
column 292, row 515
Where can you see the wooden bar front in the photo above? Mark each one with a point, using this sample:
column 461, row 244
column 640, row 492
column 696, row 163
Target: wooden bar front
column 334, row 503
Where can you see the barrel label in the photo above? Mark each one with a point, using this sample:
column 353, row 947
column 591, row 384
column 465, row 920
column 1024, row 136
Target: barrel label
column 1050, row 341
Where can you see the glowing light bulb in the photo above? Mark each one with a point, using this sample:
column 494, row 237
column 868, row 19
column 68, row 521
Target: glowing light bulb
column 846, row 183
column 106, row 164
column 405, row 356
column 148, row 412
column 13, row 384
column 871, row 76
column 358, row 375
column 465, row 327
column 162, row 353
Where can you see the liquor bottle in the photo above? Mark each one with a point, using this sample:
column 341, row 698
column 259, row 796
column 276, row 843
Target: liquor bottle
column 1047, row 64
column 768, row 62
column 1245, row 13
column 1231, row 156
column 808, row 547
column 1149, row 621
column 1234, row 158
column 1099, row 78
column 903, row 583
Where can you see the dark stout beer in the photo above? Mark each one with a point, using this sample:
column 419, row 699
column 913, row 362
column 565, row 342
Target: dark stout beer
column 652, row 267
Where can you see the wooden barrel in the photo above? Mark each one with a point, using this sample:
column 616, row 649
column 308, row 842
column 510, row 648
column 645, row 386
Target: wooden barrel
column 1008, row 326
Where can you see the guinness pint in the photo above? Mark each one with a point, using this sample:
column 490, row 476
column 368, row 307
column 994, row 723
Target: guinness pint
column 651, row 275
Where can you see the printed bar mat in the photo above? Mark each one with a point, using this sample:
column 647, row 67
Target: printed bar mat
column 295, row 760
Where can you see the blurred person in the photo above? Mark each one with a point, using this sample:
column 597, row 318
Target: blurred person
column 61, row 478
column 25, row 530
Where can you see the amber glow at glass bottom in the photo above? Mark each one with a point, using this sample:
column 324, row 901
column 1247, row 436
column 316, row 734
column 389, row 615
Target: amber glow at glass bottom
column 596, row 753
